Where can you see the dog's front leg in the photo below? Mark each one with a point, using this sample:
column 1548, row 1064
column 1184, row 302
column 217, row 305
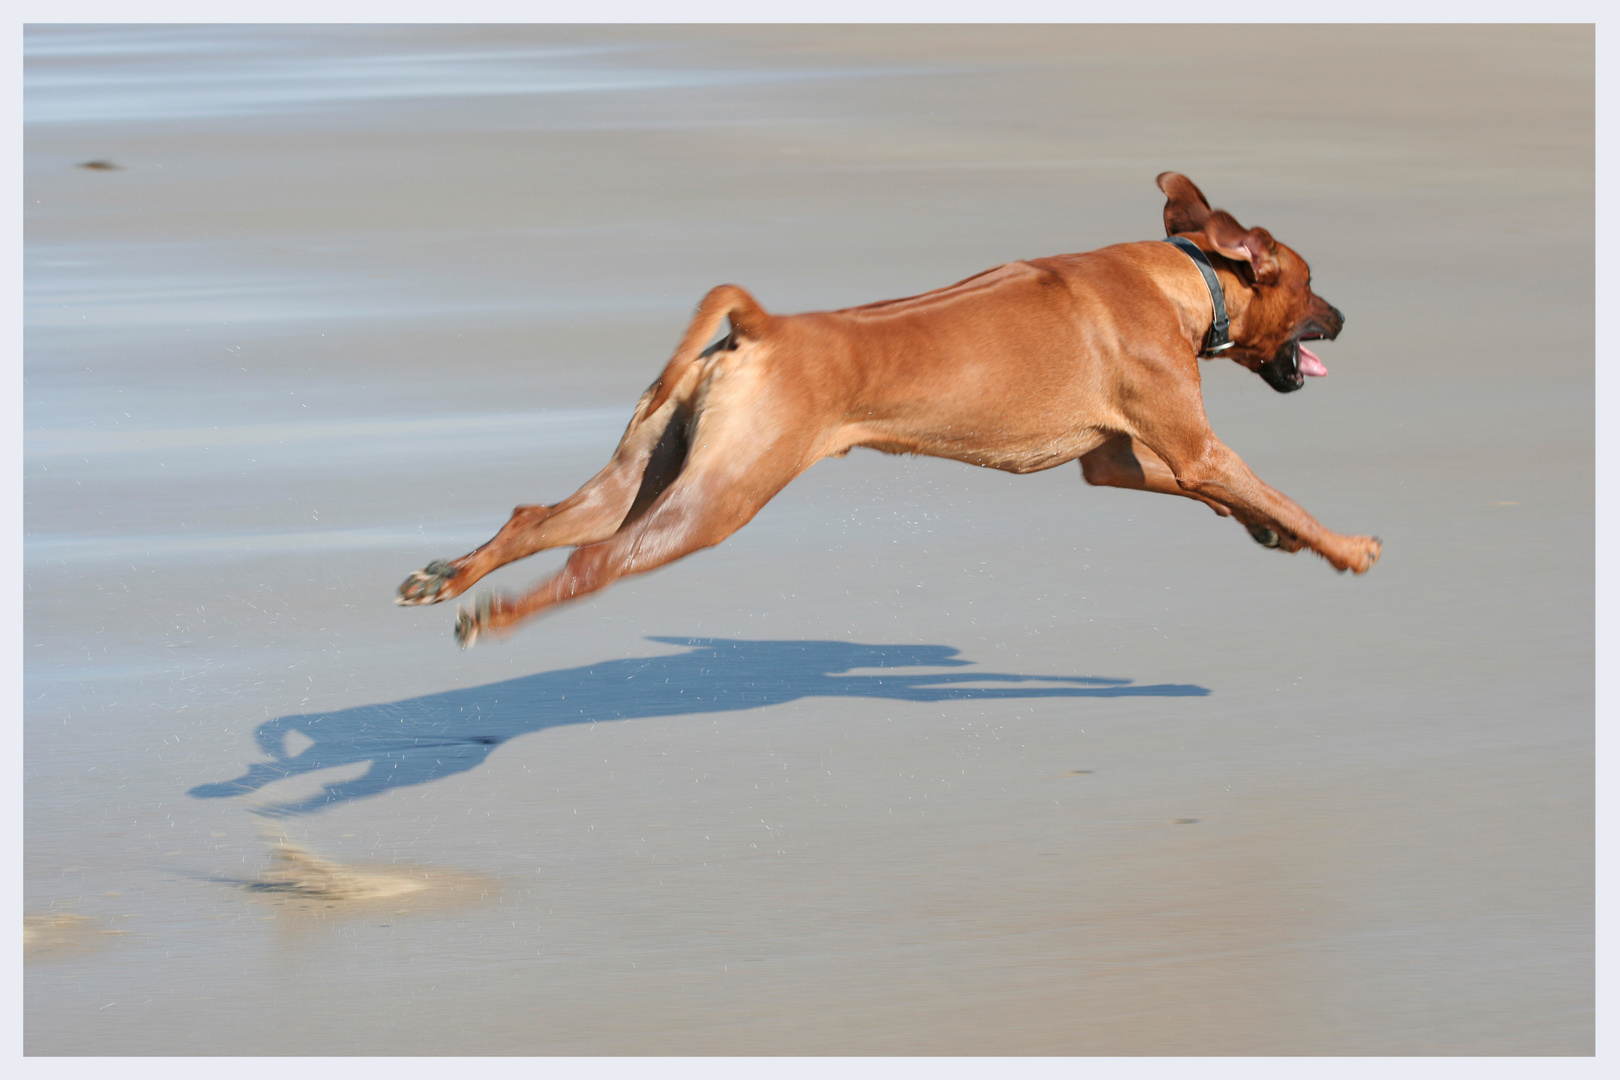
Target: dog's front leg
column 1125, row 462
column 1205, row 466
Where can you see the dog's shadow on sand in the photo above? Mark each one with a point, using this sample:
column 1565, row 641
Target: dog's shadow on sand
column 429, row 737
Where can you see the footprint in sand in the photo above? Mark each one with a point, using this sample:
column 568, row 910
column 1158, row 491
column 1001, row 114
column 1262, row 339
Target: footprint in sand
column 304, row 879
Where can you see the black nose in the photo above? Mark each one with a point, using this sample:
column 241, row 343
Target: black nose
column 1338, row 322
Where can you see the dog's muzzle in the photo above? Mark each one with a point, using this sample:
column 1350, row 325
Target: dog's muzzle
column 1286, row 371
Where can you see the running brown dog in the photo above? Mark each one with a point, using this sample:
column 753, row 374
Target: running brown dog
column 1023, row 367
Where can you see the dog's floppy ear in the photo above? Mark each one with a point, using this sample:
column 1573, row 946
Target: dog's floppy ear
column 1253, row 246
column 1185, row 208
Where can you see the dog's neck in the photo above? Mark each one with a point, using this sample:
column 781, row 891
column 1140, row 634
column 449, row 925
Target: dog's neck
column 1238, row 290
column 1238, row 294
column 1218, row 338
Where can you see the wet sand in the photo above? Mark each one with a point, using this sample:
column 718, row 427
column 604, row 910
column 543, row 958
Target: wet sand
column 926, row 759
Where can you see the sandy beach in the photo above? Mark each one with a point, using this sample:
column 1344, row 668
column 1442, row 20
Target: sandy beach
column 926, row 759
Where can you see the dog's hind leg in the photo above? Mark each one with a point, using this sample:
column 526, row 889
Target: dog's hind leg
column 648, row 458
column 728, row 477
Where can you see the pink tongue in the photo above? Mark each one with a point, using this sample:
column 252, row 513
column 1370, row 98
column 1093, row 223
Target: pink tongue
column 1310, row 363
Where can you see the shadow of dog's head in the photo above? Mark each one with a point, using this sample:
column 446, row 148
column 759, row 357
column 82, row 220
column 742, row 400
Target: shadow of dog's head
column 1274, row 310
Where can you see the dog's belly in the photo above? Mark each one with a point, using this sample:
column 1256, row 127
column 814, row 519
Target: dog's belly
column 1015, row 452
column 1001, row 412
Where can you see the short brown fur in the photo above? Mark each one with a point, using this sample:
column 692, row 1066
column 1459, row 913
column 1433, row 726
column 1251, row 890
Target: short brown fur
column 1023, row 367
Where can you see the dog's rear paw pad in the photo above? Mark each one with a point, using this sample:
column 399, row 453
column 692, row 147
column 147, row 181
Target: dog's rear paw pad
column 466, row 629
column 470, row 621
column 427, row 585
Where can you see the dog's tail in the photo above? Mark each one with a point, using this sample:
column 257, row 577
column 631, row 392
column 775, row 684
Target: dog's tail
column 722, row 302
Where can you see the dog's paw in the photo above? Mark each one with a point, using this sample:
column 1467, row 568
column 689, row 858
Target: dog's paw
column 427, row 585
column 1364, row 551
column 1372, row 547
column 470, row 622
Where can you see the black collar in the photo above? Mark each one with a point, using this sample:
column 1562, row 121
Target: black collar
column 1217, row 339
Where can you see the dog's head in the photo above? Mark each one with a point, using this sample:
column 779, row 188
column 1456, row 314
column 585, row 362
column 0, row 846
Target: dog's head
column 1277, row 310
